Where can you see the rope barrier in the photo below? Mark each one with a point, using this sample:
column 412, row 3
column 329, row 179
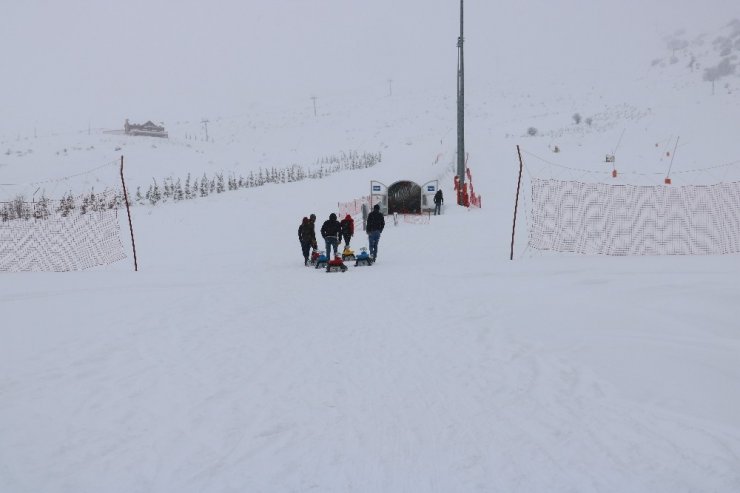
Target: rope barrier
column 585, row 171
column 63, row 178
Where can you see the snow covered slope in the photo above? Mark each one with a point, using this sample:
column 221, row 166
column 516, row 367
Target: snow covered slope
column 226, row 365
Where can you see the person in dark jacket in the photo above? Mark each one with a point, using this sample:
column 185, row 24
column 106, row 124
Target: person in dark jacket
column 373, row 228
column 438, row 201
column 331, row 231
column 348, row 229
column 304, row 236
column 311, row 229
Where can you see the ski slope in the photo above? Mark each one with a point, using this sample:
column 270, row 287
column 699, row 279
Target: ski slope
column 225, row 365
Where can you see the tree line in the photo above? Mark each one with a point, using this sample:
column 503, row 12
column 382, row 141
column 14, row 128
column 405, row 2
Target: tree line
column 177, row 189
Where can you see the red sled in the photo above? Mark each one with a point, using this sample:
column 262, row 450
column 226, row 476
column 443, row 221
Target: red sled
column 336, row 265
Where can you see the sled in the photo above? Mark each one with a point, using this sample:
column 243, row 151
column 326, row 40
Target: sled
column 348, row 254
column 315, row 255
column 363, row 259
column 322, row 261
column 336, row 265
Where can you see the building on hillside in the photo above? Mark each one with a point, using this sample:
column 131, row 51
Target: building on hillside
column 148, row 129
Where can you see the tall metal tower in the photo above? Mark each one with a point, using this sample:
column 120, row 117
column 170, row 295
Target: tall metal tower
column 460, row 105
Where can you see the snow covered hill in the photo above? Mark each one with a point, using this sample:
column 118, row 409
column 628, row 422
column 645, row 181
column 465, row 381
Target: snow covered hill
column 225, row 365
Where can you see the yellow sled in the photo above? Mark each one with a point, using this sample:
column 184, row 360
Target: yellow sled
column 348, row 254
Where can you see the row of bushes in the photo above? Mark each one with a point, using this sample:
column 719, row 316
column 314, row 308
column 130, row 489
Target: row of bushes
column 19, row 208
column 177, row 189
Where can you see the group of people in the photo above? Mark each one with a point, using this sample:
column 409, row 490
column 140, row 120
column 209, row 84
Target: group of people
column 334, row 231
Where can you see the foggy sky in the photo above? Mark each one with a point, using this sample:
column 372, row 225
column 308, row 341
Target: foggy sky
column 76, row 62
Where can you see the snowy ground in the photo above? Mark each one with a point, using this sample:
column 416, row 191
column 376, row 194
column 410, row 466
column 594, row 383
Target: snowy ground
column 225, row 365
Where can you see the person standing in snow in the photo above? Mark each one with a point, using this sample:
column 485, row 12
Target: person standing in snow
column 348, row 229
column 373, row 228
column 311, row 231
column 304, row 236
column 331, row 231
column 438, row 201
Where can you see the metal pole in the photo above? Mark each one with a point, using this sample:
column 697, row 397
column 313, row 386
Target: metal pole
column 205, row 125
column 128, row 211
column 672, row 157
column 516, row 201
column 460, row 107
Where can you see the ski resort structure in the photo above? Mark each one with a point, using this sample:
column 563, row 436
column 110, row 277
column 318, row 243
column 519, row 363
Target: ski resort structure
column 147, row 129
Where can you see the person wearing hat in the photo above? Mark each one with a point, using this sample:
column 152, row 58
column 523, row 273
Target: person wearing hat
column 373, row 227
column 331, row 231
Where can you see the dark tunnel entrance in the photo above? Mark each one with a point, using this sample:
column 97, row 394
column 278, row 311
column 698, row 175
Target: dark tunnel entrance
column 404, row 197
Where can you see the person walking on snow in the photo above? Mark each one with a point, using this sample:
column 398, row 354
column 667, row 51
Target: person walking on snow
column 348, row 229
column 373, row 228
column 438, row 201
column 331, row 231
column 304, row 236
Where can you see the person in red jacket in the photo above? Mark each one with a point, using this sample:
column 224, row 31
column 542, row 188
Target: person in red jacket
column 348, row 229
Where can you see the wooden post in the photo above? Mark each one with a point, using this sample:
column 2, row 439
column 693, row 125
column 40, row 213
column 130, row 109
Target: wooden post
column 128, row 211
column 516, row 201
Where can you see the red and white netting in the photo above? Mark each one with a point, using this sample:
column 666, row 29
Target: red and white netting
column 74, row 232
column 599, row 218
column 354, row 207
column 607, row 210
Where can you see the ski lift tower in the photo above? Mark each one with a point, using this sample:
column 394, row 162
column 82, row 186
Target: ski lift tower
column 460, row 110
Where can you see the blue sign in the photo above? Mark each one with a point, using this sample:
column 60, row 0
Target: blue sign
column 376, row 188
column 430, row 188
